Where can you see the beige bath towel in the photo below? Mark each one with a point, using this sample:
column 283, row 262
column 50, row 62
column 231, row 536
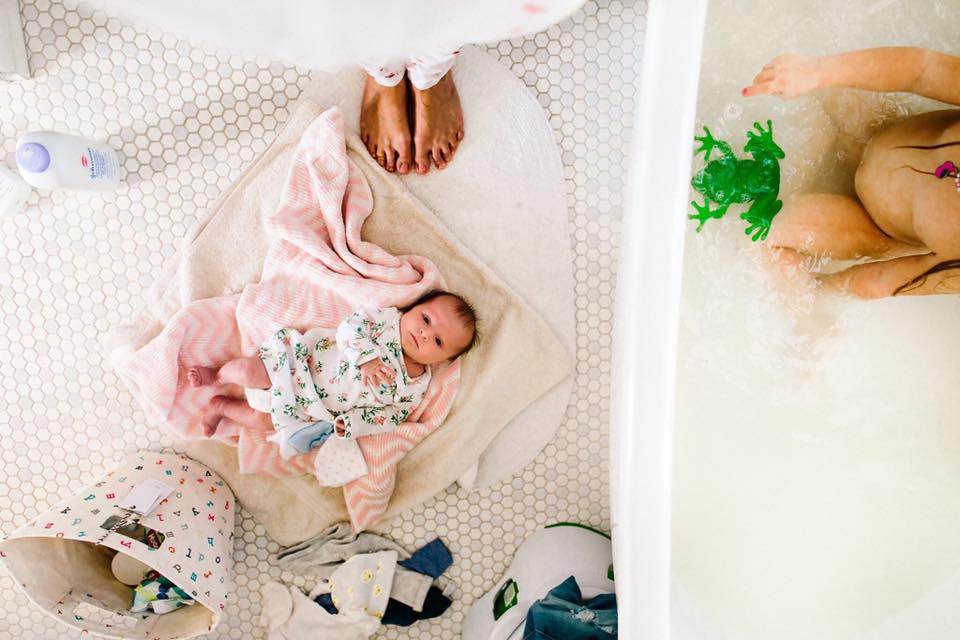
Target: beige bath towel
column 518, row 360
column 509, row 144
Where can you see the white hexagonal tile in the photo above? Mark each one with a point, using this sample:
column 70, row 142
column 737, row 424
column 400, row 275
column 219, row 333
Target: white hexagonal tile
column 187, row 121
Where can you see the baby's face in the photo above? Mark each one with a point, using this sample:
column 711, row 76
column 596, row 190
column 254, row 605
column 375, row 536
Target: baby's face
column 432, row 332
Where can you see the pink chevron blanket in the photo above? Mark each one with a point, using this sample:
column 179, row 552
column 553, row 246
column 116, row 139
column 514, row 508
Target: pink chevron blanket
column 316, row 271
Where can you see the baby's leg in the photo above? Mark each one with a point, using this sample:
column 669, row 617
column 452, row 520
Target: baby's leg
column 246, row 372
column 201, row 376
column 235, row 409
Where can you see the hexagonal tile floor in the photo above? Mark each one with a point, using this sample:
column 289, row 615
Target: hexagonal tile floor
column 187, row 121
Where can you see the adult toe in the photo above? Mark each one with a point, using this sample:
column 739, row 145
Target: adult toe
column 438, row 156
column 404, row 161
column 421, row 159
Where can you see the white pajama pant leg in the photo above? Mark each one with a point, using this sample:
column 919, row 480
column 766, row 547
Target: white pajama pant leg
column 387, row 73
column 424, row 69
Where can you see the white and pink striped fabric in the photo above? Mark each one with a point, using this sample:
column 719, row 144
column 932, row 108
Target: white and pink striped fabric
column 318, row 269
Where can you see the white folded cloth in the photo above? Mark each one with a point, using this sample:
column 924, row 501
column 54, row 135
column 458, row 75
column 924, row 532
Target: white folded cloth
column 13, row 52
column 287, row 614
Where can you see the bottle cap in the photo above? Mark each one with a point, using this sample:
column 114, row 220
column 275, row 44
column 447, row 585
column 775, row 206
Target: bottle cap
column 33, row 157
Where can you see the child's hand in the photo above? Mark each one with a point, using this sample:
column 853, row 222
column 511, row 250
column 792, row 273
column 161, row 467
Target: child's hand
column 787, row 76
column 376, row 373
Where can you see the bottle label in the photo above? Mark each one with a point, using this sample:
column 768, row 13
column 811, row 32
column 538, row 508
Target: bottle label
column 100, row 166
column 505, row 599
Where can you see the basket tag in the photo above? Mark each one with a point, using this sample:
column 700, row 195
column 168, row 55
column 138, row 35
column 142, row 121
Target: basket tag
column 146, row 496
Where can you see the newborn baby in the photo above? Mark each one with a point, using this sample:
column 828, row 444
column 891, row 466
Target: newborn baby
column 366, row 376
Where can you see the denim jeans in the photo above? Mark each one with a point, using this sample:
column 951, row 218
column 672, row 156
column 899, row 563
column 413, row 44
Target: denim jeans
column 563, row 615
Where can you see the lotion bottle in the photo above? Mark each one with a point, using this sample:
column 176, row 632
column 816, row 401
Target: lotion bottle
column 51, row 160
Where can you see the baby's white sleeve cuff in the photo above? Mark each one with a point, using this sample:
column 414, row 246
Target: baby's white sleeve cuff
column 342, row 422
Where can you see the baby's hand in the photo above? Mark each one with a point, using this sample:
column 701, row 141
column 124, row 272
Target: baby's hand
column 376, row 373
column 787, row 76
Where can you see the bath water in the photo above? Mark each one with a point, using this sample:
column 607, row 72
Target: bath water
column 817, row 444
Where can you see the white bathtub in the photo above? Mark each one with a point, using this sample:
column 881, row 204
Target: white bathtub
column 781, row 467
column 645, row 344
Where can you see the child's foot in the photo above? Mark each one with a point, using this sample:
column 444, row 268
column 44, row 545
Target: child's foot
column 794, row 278
column 384, row 128
column 211, row 418
column 201, row 376
column 438, row 124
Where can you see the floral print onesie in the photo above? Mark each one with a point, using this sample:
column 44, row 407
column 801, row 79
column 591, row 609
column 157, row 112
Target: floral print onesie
column 316, row 376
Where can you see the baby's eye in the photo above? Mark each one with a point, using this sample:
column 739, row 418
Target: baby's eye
column 426, row 320
column 439, row 343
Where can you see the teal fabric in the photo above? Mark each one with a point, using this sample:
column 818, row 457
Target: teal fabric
column 157, row 593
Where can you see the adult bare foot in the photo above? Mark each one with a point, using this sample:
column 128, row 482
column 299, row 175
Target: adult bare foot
column 384, row 128
column 438, row 124
column 201, row 376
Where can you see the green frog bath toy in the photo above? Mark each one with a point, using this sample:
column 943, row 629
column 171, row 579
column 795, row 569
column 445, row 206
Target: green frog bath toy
column 727, row 180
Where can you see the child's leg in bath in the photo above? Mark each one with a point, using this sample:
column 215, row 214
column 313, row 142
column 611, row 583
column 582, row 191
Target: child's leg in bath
column 235, row 409
column 246, row 372
column 832, row 226
column 882, row 279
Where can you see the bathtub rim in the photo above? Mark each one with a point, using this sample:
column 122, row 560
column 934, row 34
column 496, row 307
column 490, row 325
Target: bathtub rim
column 643, row 370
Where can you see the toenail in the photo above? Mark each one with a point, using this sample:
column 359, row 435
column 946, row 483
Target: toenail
column 402, row 167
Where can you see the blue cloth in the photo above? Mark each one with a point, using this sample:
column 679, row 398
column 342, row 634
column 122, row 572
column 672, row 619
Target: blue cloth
column 310, row 436
column 325, row 600
column 563, row 615
column 431, row 559
column 402, row 615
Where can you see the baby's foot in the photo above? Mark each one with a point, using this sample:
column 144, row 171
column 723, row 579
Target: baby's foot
column 383, row 125
column 201, row 376
column 438, row 124
column 211, row 418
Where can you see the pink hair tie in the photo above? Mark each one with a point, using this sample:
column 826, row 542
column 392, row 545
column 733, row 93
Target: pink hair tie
column 946, row 169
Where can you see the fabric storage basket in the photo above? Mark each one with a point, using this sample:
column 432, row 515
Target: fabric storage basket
column 62, row 559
